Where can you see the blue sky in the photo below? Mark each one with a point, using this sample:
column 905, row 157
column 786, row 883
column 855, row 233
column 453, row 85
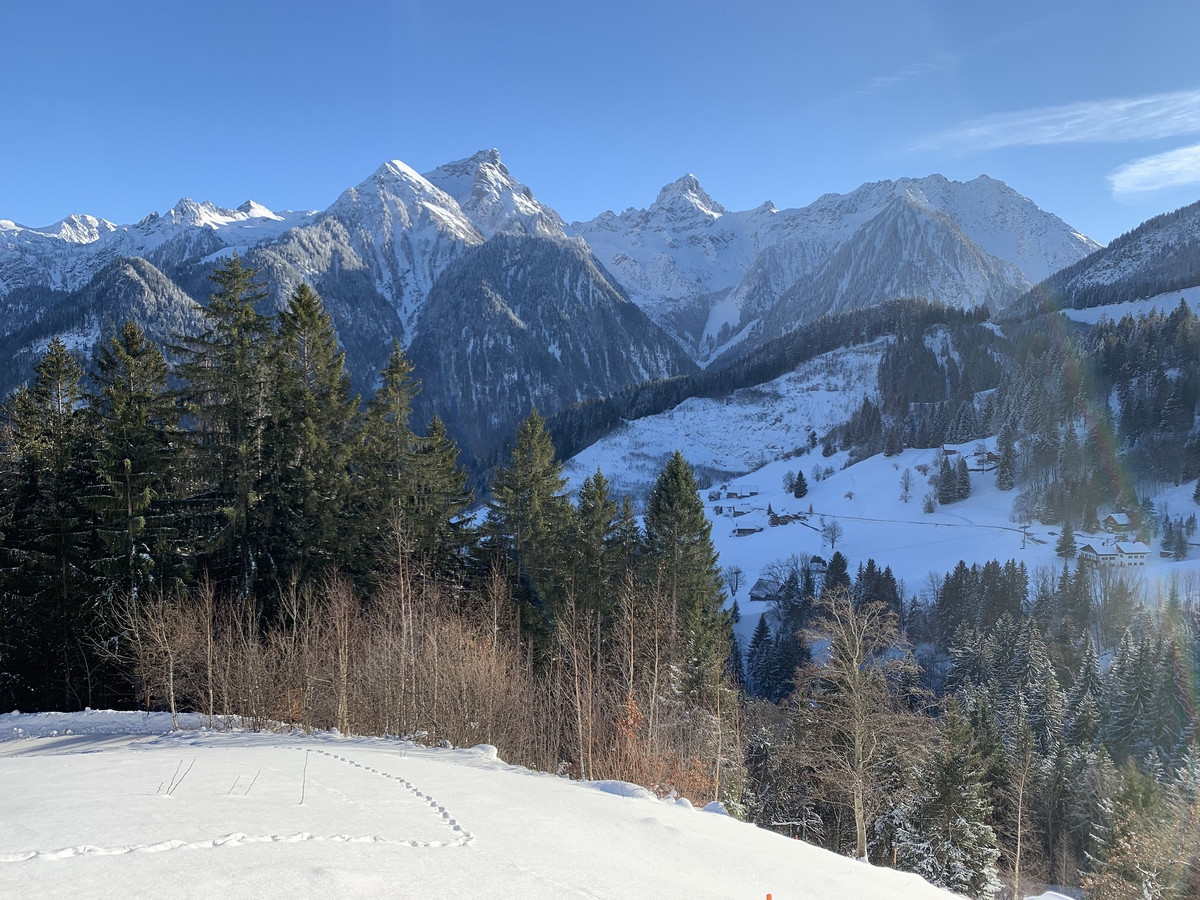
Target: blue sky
column 118, row 109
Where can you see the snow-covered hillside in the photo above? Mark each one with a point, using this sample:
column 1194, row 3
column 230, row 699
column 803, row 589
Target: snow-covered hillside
column 746, row 443
column 1114, row 312
column 865, row 500
column 102, row 804
column 741, row 432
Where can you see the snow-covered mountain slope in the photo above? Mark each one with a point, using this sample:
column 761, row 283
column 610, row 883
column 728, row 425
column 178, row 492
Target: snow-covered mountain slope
column 707, row 274
column 1162, row 304
column 728, row 437
column 101, row 804
column 126, row 289
column 393, row 233
column 1160, row 255
column 525, row 321
column 906, row 250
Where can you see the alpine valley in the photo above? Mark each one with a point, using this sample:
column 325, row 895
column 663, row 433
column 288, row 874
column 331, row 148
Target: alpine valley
column 502, row 306
column 871, row 522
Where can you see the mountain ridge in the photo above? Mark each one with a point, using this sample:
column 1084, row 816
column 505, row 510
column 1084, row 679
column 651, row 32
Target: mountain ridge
column 704, row 278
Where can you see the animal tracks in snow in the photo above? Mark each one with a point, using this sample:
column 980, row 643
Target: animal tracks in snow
column 462, row 835
column 230, row 798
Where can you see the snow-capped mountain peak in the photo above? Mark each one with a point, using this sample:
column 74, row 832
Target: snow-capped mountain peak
column 494, row 200
column 257, row 211
column 396, row 196
column 188, row 213
column 708, row 274
column 685, row 197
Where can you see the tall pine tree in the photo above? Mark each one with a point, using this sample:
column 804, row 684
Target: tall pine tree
column 301, row 518
column 46, row 575
column 226, row 375
column 528, row 517
column 139, row 465
column 681, row 556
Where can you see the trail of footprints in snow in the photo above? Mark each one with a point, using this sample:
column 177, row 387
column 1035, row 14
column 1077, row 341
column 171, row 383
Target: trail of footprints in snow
column 462, row 835
column 237, row 839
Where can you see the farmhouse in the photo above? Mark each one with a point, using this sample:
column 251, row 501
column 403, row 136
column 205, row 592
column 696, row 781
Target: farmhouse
column 1122, row 554
column 765, row 590
column 1115, row 523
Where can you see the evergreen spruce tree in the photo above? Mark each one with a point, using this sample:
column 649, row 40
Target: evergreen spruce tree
column 437, row 496
column 1083, row 706
column 837, row 573
column 1006, row 468
column 1130, row 697
column 680, row 552
column 1179, row 548
column 1066, row 542
column 759, row 666
column 789, row 652
column 301, row 517
column 735, row 670
column 46, row 577
column 800, row 487
column 226, row 375
column 947, row 487
column 596, row 568
column 962, row 480
column 138, row 462
column 529, row 515
column 946, row 837
column 957, row 603
column 627, row 539
column 383, row 466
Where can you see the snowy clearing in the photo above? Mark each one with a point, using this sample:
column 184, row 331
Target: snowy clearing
column 865, row 501
column 740, row 433
column 103, row 803
column 1114, row 312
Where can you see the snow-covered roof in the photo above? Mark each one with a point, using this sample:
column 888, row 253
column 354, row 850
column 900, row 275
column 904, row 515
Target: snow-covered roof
column 765, row 587
column 1130, row 548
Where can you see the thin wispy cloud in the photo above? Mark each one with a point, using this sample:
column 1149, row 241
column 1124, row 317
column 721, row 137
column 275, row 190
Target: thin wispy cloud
column 1120, row 119
column 1175, row 168
column 908, row 73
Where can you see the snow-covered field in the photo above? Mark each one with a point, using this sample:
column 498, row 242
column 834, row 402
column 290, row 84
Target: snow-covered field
column 103, row 804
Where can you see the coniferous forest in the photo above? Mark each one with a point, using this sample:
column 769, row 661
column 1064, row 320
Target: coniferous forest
column 219, row 525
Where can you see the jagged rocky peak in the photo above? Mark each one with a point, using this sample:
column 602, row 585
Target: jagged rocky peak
column 684, row 196
column 188, row 212
column 494, row 200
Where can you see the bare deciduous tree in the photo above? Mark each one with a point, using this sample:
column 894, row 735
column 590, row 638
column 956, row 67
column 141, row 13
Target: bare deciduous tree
column 832, row 532
column 859, row 711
